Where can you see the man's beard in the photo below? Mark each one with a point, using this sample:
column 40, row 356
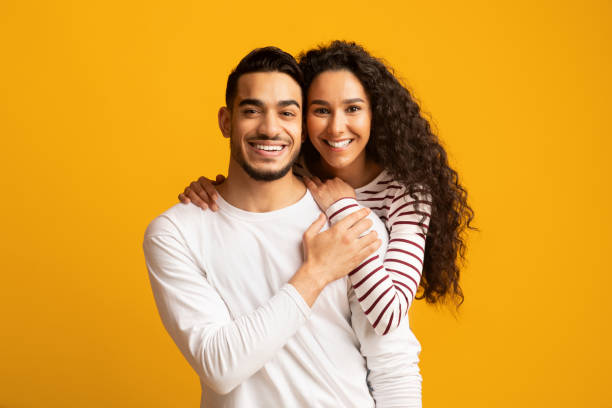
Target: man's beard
column 260, row 175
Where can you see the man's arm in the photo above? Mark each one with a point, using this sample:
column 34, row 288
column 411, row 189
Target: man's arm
column 224, row 352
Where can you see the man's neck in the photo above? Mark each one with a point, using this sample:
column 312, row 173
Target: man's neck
column 242, row 191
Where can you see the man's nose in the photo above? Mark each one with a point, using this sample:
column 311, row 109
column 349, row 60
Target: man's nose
column 270, row 125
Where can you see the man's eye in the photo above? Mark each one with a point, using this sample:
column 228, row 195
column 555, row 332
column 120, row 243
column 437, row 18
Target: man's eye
column 288, row 114
column 353, row 108
column 250, row 111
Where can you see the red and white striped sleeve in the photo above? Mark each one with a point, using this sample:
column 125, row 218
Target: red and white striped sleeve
column 386, row 288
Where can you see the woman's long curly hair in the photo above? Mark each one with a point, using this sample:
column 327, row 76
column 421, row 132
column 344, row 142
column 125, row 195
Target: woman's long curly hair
column 403, row 143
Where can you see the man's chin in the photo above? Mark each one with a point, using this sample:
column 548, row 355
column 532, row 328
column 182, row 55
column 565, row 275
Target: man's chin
column 266, row 174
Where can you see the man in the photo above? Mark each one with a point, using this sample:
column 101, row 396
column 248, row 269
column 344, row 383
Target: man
column 263, row 323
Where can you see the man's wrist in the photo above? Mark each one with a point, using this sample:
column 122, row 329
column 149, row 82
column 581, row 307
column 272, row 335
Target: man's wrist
column 309, row 282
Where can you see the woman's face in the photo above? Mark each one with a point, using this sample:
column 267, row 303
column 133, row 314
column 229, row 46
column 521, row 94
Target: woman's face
column 338, row 118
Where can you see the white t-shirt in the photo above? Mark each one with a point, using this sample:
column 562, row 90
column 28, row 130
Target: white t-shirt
column 220, row 284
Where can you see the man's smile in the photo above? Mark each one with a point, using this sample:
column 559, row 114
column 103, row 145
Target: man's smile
column 268, row 148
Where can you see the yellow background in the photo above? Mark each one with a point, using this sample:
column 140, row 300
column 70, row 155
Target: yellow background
column 108, row 109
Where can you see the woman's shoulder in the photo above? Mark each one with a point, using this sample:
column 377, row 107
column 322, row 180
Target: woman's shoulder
column 384, row 186
column 385, row 195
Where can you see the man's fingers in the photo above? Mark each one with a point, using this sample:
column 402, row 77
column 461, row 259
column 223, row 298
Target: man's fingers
column 368, row 239
column 348, row 221
column 369, row 249
column 316, row 226
column 360, row 227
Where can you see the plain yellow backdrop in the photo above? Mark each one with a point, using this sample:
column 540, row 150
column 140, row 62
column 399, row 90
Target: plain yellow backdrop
column 108, row 109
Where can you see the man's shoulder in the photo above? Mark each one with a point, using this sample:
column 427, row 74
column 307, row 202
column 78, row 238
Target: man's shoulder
column 176, row 220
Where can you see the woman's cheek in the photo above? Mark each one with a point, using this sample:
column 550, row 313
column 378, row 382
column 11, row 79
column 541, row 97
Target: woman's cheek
column 315, row 125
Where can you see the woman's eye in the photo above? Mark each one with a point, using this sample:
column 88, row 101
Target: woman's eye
column 353, row 108
column 321, row 111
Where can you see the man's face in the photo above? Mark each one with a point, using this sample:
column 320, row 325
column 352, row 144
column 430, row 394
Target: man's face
column 265, row 124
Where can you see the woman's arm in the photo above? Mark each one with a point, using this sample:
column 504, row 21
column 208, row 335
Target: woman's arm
column 385, row 287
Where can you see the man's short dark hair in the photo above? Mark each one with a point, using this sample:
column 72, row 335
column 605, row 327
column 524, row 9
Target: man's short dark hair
column 266, row 59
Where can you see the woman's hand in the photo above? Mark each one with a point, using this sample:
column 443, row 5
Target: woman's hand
column 325, row 194
column 202, row 193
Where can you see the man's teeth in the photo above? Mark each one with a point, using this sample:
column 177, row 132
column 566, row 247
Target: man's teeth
column 269, row 148
column 339, row 144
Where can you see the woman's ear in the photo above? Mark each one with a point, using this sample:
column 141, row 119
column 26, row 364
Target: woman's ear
column 225, row 121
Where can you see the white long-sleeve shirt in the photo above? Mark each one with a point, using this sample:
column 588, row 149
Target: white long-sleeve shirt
column 386, row 284
column 219, row 281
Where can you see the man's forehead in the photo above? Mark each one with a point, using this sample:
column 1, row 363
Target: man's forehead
column 269, row 87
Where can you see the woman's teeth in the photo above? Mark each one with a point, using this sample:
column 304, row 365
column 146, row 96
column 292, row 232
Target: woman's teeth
column 343, row 143
column 269, row 148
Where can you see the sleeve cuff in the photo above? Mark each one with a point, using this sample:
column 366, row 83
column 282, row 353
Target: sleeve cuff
column 290, row 290
column 341, row 209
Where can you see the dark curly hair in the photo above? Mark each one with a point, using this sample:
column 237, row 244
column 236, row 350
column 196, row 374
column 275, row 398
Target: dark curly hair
column 402, row 142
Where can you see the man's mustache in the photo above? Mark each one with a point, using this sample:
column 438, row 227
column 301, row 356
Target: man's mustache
column 261, row 138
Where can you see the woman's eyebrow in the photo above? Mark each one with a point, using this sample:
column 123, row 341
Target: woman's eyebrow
column 346, row 101
column 319, row 102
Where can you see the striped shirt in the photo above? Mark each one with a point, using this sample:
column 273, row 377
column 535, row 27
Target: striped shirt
column 386, row 287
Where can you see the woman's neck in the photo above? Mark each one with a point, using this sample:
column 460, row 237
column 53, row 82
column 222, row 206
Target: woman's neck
column 357, row 174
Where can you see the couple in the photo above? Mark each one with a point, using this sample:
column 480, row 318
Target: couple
column 272, row 309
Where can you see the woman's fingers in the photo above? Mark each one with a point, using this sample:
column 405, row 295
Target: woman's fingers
column 208, row 187
column 201, row 199
column 183, row 199
column 219, row 179
column 309, row 183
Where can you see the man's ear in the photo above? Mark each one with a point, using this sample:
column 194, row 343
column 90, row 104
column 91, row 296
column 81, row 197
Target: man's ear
column 225, row 121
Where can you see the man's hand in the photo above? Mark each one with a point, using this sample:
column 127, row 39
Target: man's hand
column 332, row 254
column 328, row 192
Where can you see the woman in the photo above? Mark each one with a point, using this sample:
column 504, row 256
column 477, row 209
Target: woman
column 368, row 140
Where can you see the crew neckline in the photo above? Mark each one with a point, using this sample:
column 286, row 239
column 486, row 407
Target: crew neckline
column 371, row 184
column 291, row 210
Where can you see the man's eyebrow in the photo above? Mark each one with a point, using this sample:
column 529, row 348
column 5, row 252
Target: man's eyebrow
column 288, row 102
column 254, row 102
